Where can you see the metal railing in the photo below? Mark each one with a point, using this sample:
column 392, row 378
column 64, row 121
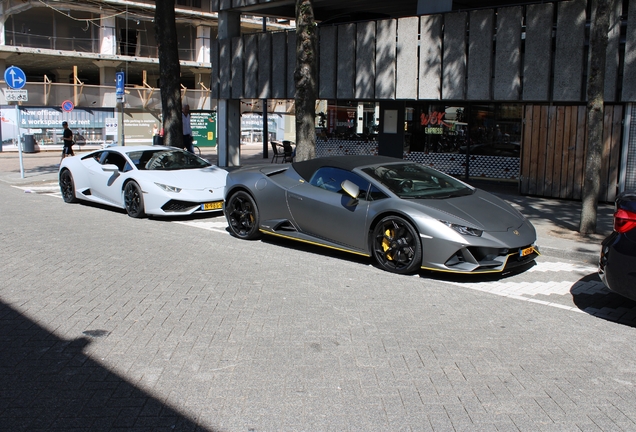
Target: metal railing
column 93, row 96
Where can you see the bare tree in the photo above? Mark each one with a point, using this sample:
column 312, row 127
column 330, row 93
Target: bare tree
column 305, row 79
column 169, row 72
column 595, row 98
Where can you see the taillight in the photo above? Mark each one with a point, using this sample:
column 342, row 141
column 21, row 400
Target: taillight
column 624, row 221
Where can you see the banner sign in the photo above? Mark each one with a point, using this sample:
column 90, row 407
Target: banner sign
column 203, row 128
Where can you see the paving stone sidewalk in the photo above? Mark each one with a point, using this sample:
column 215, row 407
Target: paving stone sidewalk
column 109, row 323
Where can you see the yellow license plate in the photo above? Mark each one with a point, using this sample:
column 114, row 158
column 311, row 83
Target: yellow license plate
column 218, row 205
column 526, row 251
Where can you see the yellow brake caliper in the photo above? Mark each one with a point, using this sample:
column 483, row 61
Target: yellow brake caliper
column 386, row 243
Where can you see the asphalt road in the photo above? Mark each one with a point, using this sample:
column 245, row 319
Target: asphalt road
column 112, row 323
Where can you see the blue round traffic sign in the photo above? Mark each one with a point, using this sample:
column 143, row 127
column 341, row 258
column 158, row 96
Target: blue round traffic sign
column 68, row 106
column 14, row 77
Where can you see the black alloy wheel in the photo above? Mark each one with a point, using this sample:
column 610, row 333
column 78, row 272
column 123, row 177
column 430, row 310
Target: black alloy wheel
column 134, row 200
column 396, row 246
column 241, row 213
column 67, row 187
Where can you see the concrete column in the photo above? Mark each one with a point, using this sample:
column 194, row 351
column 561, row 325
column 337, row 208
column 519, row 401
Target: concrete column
column 63, row 76
column 2, row 37
column 107, row 70
column 107, row 36
column 229, row 110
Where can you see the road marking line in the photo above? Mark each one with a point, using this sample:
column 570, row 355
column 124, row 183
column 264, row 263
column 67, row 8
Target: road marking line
column 216, row 226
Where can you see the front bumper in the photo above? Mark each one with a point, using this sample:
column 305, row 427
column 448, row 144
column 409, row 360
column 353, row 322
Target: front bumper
column 476, row 259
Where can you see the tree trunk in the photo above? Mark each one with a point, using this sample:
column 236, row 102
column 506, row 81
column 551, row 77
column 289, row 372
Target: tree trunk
column 595, row 97
column 169, row 72
column 305, row 79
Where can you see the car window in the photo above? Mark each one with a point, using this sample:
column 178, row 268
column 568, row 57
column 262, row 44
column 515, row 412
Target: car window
column 330, row 179
column 376, row 194
column 115, row 159
column 97, row 156
column 141, row 158
column 169, row 160
column 412, row 180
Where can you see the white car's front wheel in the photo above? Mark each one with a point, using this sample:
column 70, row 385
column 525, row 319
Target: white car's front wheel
column 134, row 200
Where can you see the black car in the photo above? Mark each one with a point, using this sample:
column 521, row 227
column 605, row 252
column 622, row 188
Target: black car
column 617, row 265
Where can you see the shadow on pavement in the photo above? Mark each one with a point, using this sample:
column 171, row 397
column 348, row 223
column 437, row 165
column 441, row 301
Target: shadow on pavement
column 591, row 296
column 368, row 261
column 48, row 383
column 45, row 169
column 313, row 249
column 171, row 218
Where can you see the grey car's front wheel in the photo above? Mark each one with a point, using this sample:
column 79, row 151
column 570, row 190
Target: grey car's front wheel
column 67, row 187
column 134, row 200
column 396, row 246
column 241, row 213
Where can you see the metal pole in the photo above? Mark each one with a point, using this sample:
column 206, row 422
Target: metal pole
column 265, row 125
column 121, row 113
column 17, row 134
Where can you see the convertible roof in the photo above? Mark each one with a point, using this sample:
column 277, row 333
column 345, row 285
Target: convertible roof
column 307, row 168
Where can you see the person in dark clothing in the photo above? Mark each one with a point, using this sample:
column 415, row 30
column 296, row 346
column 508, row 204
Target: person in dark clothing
column 187, row 129
column 68, row 141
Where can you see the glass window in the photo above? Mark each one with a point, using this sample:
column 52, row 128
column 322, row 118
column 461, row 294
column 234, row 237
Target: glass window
column 412, row 180
column 170, row 160
column 330, row 179
column 431, row 128
column 115, row 159
column 349, row 120
column 495, row 130
column 97, row 156
column 479, row 128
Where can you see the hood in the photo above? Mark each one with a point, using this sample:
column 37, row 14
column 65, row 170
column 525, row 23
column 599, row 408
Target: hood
column 480, row 210
column 194, row 179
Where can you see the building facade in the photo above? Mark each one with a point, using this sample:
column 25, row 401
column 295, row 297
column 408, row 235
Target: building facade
column 498, row 91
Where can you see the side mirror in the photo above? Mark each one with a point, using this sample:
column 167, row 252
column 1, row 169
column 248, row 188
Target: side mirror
column 351, row 189
column 110, row 168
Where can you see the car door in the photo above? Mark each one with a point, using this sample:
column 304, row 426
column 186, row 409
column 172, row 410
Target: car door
column 107, row 185
column 320, row 208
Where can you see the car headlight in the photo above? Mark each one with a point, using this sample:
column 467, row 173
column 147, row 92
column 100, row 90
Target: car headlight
column 169, row 188
column 465, row 230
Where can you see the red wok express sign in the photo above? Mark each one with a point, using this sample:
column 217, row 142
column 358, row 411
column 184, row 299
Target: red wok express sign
column 435, row 123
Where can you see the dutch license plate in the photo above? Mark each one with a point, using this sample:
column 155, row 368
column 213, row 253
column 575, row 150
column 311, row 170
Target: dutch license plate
column 526, row 251
column 217, row 205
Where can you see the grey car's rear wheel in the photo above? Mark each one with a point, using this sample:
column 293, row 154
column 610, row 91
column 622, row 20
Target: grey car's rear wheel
column 396, row 246
column 241, row 213
column 134, row 200
column 67, row 187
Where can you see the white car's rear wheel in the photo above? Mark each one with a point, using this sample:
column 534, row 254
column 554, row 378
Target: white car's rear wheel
column 67, row 187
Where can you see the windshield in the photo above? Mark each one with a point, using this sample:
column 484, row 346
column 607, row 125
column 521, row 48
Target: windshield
column 166, row 160
column 412, row 180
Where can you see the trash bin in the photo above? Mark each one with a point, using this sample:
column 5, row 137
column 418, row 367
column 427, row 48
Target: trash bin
column 29, row 144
